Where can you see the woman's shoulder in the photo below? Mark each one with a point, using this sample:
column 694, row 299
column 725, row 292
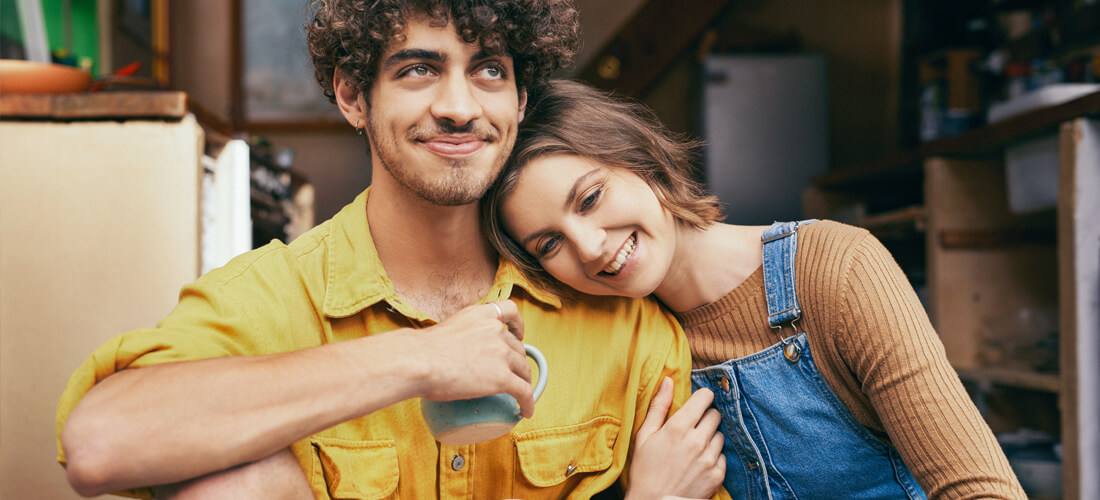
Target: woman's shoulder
column 834, row 248
column 831, row 237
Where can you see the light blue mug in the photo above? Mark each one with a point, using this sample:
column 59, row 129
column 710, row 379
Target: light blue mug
column 469, row 421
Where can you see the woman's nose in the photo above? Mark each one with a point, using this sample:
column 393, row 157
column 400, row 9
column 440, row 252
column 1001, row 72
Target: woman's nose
column 589, row 243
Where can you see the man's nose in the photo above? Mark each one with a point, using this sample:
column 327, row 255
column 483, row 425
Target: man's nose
column 456, row 102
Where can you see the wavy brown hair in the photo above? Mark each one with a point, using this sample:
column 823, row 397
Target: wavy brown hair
column 572, row 118
column 352, row 35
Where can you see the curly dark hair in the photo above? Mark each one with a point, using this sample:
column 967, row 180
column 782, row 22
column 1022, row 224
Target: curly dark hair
column 351, row 35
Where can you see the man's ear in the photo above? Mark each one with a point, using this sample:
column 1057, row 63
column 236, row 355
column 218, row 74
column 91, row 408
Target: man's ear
column 522, row 104
column 350, row 100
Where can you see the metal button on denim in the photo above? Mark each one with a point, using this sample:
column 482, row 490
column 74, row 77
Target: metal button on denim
column 792, row 352
column 457, row 462
column 725, row 383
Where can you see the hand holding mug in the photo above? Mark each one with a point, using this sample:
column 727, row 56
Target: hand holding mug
column 479, row 373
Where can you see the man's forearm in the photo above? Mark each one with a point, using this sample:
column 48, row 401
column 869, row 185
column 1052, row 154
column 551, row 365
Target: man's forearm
column 167, row 423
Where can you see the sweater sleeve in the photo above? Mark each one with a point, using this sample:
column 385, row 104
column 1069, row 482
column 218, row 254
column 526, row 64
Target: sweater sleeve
column 887, row 340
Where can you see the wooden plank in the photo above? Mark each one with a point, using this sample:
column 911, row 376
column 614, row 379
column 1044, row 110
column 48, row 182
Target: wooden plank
column 27, row 105
column 168, row 105
column 1067, row 310
column 914, row 216
column 649, row 43
column 1013, row 378
column 996, row 238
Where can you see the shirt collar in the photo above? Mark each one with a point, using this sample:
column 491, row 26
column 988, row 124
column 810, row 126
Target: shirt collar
column 356, row 279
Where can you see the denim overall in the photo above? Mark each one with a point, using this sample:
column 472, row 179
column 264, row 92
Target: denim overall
column 787, row 433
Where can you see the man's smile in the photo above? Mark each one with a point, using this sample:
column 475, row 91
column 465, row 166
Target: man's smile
column 454, row 145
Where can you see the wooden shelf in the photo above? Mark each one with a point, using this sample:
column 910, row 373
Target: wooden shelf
column 1012, row 378
column 978, row 142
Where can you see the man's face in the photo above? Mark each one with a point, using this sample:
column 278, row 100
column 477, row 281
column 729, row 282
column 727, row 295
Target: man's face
column 443, row 114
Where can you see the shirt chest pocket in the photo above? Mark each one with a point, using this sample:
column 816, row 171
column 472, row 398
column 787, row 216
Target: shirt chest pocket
column 560, row 458
column 354, row 470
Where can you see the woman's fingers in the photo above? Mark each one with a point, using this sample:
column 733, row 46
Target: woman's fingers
column 689, row 415
column 714, row 447
column 709, row 423
column 658, row 410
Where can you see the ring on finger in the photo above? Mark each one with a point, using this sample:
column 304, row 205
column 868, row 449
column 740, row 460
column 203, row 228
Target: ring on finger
column 500, row 312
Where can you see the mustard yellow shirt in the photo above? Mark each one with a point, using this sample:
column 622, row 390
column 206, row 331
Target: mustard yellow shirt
column 606, row 357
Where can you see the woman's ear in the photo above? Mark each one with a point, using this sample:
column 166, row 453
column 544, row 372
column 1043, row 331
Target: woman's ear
column 350, row 100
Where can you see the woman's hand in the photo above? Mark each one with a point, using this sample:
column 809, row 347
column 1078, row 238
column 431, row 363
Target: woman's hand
column 681, row 457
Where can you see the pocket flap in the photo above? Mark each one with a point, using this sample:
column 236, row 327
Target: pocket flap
column 549, row 456
column 358, row 469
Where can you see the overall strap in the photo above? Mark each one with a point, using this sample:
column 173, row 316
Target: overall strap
column 780, row 244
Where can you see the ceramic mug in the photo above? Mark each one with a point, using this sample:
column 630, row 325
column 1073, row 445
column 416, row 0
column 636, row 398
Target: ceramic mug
column 469, row 421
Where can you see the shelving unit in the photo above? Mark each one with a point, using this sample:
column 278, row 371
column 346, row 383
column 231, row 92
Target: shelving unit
column 1013, row 296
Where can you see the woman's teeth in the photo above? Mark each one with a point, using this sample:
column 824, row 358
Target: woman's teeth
column 620, row 259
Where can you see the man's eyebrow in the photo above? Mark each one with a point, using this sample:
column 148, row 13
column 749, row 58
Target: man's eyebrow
column 568, row 201
column 413, row 54
column 483, row 54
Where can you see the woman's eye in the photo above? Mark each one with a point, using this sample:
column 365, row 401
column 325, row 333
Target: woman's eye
column 591, row 200
column 547, row 246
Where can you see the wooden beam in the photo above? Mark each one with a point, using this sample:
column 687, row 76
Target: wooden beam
column 649, row 44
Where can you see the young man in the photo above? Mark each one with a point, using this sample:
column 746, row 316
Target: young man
column 311, row 357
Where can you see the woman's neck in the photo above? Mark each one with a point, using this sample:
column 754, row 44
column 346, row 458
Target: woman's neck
column 708, row 263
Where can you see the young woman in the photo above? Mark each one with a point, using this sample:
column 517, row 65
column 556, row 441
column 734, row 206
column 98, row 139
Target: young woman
column 830, row 381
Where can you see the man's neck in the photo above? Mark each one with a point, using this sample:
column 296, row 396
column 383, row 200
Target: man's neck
column 435, row 256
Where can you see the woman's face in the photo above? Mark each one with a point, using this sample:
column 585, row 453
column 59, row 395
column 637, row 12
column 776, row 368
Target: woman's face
column 598, row 229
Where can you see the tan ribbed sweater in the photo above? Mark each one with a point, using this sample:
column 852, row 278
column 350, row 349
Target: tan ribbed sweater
column 874, row 345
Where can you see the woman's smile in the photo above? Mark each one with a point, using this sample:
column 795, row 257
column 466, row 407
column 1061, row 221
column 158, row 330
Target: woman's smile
column 622, row 256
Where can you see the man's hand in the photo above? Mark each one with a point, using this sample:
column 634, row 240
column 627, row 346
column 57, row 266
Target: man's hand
column 681, row 457
column 476, row 352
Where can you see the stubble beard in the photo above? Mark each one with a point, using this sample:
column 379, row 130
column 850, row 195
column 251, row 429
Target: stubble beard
column 461, row 183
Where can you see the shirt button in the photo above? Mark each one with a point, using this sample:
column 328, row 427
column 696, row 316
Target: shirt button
column 457, row 462
column 725, row 383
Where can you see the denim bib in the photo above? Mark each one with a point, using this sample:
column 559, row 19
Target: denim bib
column 787, row 434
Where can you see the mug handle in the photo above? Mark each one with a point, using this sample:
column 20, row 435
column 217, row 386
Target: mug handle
column 540, row 360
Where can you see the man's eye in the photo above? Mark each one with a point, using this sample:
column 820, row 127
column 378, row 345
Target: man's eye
column 493, row 72
column 417, row 71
